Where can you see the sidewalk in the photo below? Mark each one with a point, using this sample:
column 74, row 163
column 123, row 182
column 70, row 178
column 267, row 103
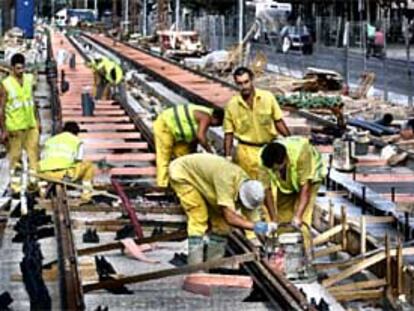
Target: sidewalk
column 394, row 51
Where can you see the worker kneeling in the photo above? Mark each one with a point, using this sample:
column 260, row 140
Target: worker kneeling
column 296, row 169
column 212, row 190
column 177, row 131
column 62, row 157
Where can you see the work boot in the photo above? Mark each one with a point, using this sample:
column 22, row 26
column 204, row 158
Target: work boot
column 216, row 247
column 86, row 196
column 195, row 250
column 32, row 186
column 15, row 181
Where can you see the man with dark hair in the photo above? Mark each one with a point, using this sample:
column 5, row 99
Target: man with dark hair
column 296, row 169
column 62, row 156
column 254, row 118
column 177, row 130
column 19, row 121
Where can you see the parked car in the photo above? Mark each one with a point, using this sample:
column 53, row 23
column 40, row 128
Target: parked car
column 296, row 37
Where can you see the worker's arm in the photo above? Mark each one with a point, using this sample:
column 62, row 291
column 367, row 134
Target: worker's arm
column 203, row 120
column 228, row 144
column 3, row 100
column 235, row 220
column 304, row 197
column 282, row 128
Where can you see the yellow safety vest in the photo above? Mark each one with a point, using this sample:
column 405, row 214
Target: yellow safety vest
column 118, row 73
column 181, row 121
column 20, row 112
column 59, row 152
column 293, row 145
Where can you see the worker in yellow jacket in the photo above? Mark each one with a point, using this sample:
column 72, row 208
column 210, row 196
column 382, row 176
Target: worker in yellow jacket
column 177, row 131
column 62, row 156
column 296, row 168
column 254, row 118
column 19, row 121
column 101, row 69
column 94, row 64
column 213, row 191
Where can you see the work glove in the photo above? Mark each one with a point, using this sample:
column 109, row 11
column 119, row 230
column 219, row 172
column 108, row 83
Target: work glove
column 264, row 228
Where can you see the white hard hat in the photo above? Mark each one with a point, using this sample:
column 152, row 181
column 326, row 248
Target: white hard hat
column 251, row 194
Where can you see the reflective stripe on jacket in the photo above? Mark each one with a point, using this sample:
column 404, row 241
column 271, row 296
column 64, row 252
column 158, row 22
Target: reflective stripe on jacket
column 181, row 121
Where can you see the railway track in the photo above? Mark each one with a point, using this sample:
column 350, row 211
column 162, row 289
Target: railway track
column 117, row 134
column 114, row 133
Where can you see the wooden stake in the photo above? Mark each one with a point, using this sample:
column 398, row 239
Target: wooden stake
column 363, row 235
column 344, row 228
column 400, row 276
column 388, row 263
column 331, row 214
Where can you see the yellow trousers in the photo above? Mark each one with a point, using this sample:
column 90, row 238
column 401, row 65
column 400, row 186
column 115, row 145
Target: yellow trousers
column 199, row 214
column 247, row 157
column 81, row 171
column 287, row 205
column 166, row 148
column 27, row 140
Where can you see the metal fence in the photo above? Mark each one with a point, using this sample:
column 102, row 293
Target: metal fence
column 337, row 45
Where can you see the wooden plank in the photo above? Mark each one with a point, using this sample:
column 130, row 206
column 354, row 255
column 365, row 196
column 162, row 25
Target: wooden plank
column 358, row 285
column 132, row 171
column 327, row 251
column 369, row 294
column 105, row 135
column 70, row 106
column 97, row 113
column 376, row 219
column 107, row 127
column 354, row 269
column 96, row 119
column 237, row 259
column 325, row 236
column 122, row 157
column 127, row 145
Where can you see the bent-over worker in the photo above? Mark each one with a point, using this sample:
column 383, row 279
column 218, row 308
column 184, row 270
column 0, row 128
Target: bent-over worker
column 177, row 130
column 213, row 190
column 296, row 168
column 62, row 156
column 19, row 120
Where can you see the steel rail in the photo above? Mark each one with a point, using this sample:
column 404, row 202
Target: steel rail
column 193, row 95
column 282, row 294
column 71, row 293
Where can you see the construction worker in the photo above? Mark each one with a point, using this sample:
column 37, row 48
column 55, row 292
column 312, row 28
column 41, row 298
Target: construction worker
column 213, row 190
column 254, row 118
column 93, row 64
column 62, row 157
column 296, row 168
column 100, row 71
column 113, row 78
column 19, row 120
column 177, row 131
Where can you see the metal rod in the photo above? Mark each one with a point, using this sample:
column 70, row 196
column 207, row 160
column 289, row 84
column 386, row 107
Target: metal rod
column 393, row 194
column 177, row 15
column 364, row 205
column 144, row 18
column 407, row 226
